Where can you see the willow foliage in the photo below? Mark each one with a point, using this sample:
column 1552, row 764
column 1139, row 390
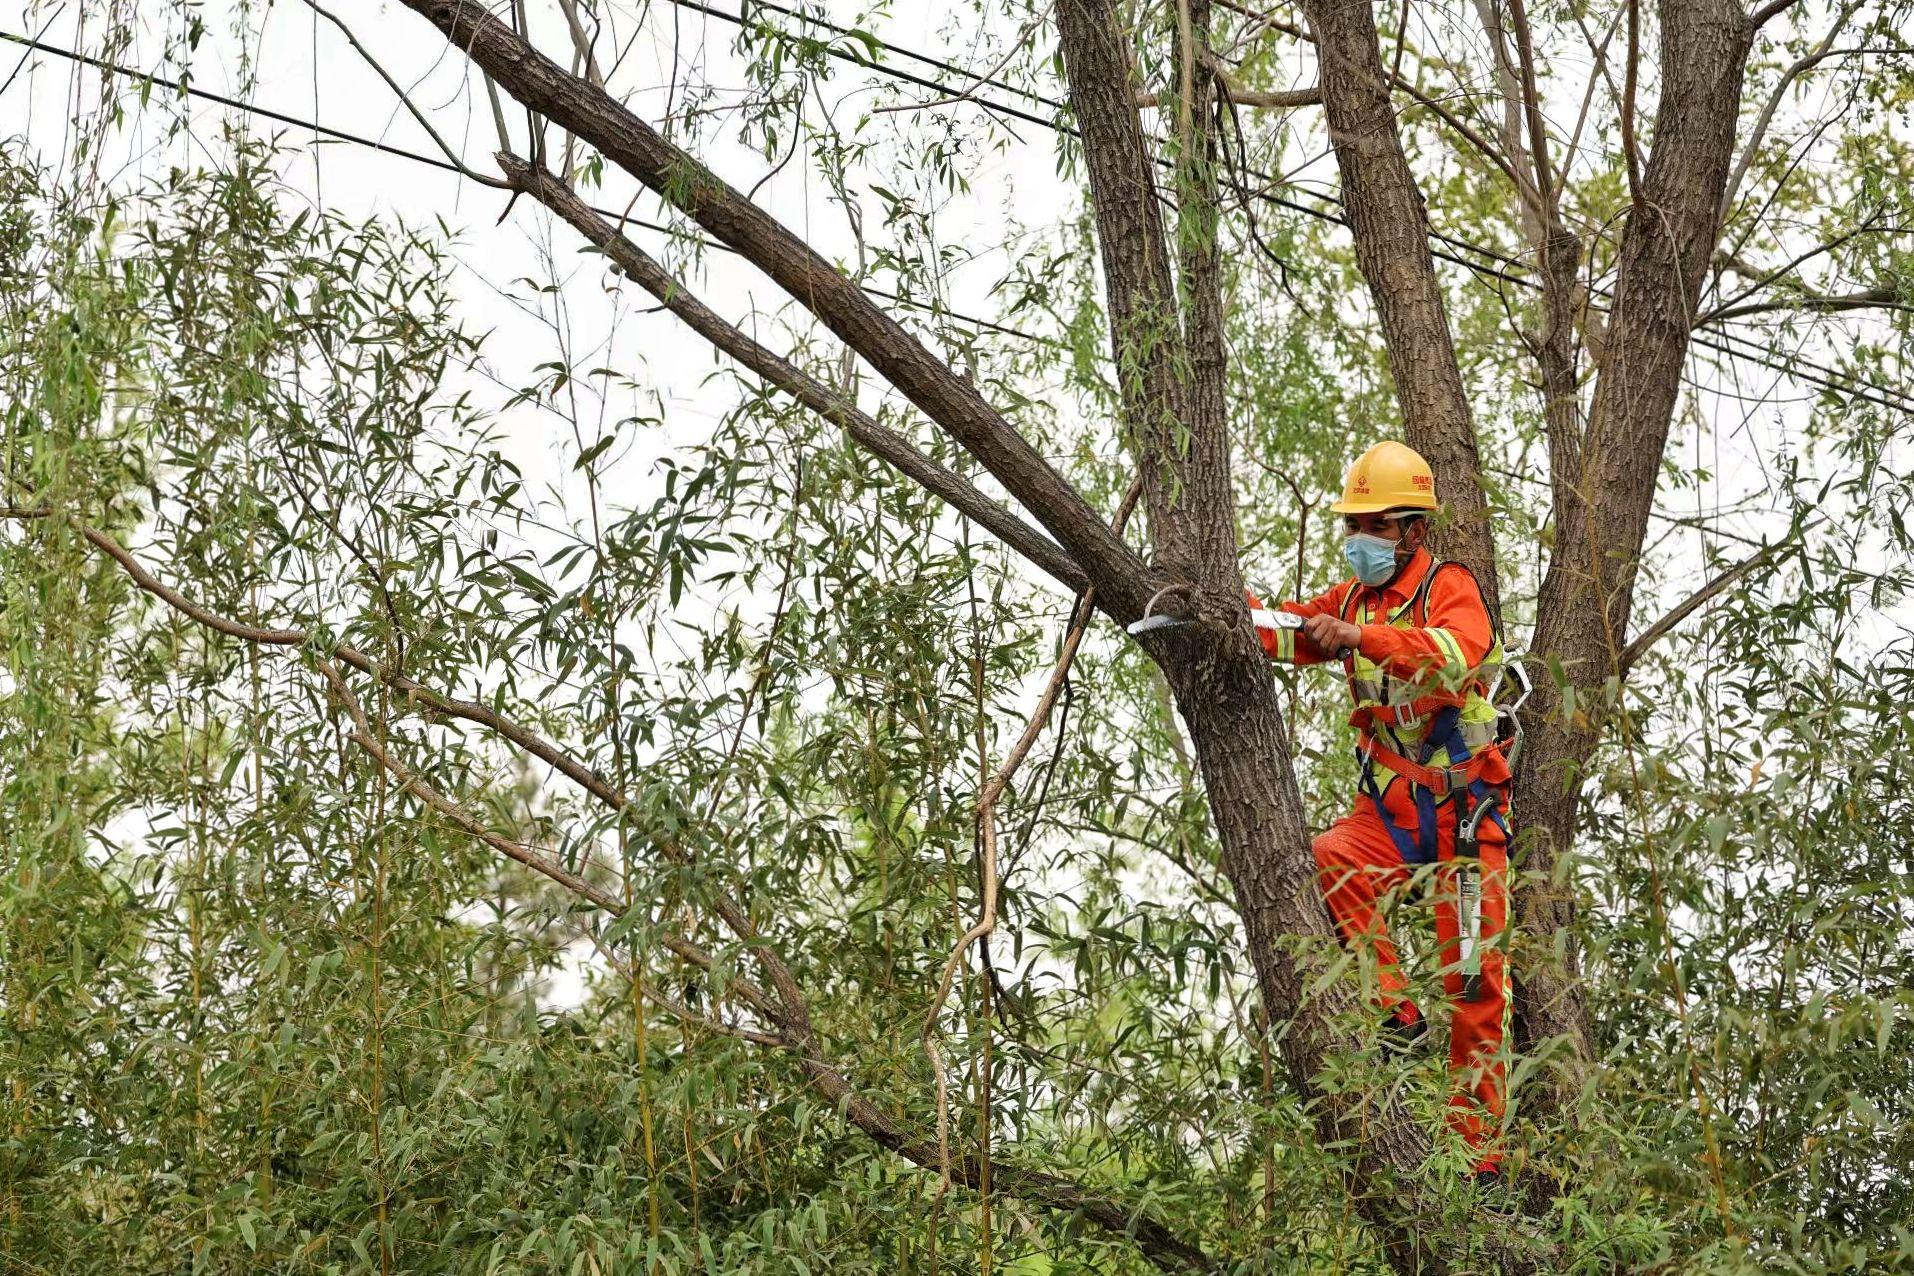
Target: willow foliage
column 269, row 1008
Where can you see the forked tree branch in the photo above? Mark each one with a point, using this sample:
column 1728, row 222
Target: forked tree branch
column 1759, row 133
column 1582, row 613
column 680, row 180
column 1867, row 299
column 1402, row 83
column 1759, row 277
column 1648, row 637
column 534, row 858
column 1520, row 170
column 1556, row 250
column 1532, row 108
column 405, row 99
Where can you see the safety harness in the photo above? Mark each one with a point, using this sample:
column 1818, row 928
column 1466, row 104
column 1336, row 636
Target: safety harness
column 1389, row 708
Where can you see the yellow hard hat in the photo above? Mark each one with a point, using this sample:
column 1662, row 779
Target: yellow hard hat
column 1389, row 476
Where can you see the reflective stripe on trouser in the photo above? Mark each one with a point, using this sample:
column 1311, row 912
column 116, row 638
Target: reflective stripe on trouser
column 1359, row 863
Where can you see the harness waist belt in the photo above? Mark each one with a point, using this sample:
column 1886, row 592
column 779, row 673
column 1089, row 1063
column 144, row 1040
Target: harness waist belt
column 1439, row 780
column 1399, row 714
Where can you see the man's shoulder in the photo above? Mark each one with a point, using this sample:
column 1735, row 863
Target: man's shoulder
column 1457, row 587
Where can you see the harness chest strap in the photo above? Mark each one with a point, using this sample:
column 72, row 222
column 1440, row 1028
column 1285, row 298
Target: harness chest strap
column 1371, row 684
column 1377, row 709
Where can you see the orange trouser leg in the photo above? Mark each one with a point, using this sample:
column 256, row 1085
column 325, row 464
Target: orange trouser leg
column 1357, row 864
column 1475, row 1027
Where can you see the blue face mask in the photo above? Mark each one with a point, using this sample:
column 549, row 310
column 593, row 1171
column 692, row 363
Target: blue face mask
column 1372, row 557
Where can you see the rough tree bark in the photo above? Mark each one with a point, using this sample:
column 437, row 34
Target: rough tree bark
column 1587, row 597
column 1390, row 227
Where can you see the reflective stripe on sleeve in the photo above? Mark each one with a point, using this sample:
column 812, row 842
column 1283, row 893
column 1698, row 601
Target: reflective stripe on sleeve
column 1455, row 668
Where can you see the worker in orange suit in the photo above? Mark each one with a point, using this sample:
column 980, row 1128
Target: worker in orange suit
column 1421, row 656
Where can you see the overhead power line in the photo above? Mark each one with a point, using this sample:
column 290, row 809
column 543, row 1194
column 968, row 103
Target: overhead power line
column 446, row 165
column 848, row 53
column 1028, row 94
column 1826, row 378
column 1723, row 344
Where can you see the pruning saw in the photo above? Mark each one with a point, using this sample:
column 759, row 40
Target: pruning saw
column 1262, row 619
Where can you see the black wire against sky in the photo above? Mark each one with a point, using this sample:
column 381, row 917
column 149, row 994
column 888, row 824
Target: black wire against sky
column 1798, row 368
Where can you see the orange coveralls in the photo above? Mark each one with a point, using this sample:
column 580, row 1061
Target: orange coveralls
column 1359, row 862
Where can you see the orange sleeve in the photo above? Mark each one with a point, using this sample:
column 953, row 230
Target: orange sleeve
column 1288, row 646
column 1449, row 647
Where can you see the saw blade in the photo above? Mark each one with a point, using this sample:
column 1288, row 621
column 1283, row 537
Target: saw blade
column 1155, row 624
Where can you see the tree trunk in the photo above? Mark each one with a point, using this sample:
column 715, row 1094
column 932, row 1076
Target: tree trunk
column 1227, row 697
column 1587, row 597
column 1390, row 226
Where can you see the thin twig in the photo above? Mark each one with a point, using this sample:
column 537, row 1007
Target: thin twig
column 986, row 815
column 405, row 99
column 1017, row 46
column 581, row 44
column 1532, row 109
column 1759, row 132
column 1675, row 615
column 1629, row 152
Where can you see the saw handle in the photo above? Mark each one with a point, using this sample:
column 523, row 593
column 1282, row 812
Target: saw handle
column 1265, row 619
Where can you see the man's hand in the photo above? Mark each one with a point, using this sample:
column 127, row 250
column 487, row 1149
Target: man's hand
column 1331, row 634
